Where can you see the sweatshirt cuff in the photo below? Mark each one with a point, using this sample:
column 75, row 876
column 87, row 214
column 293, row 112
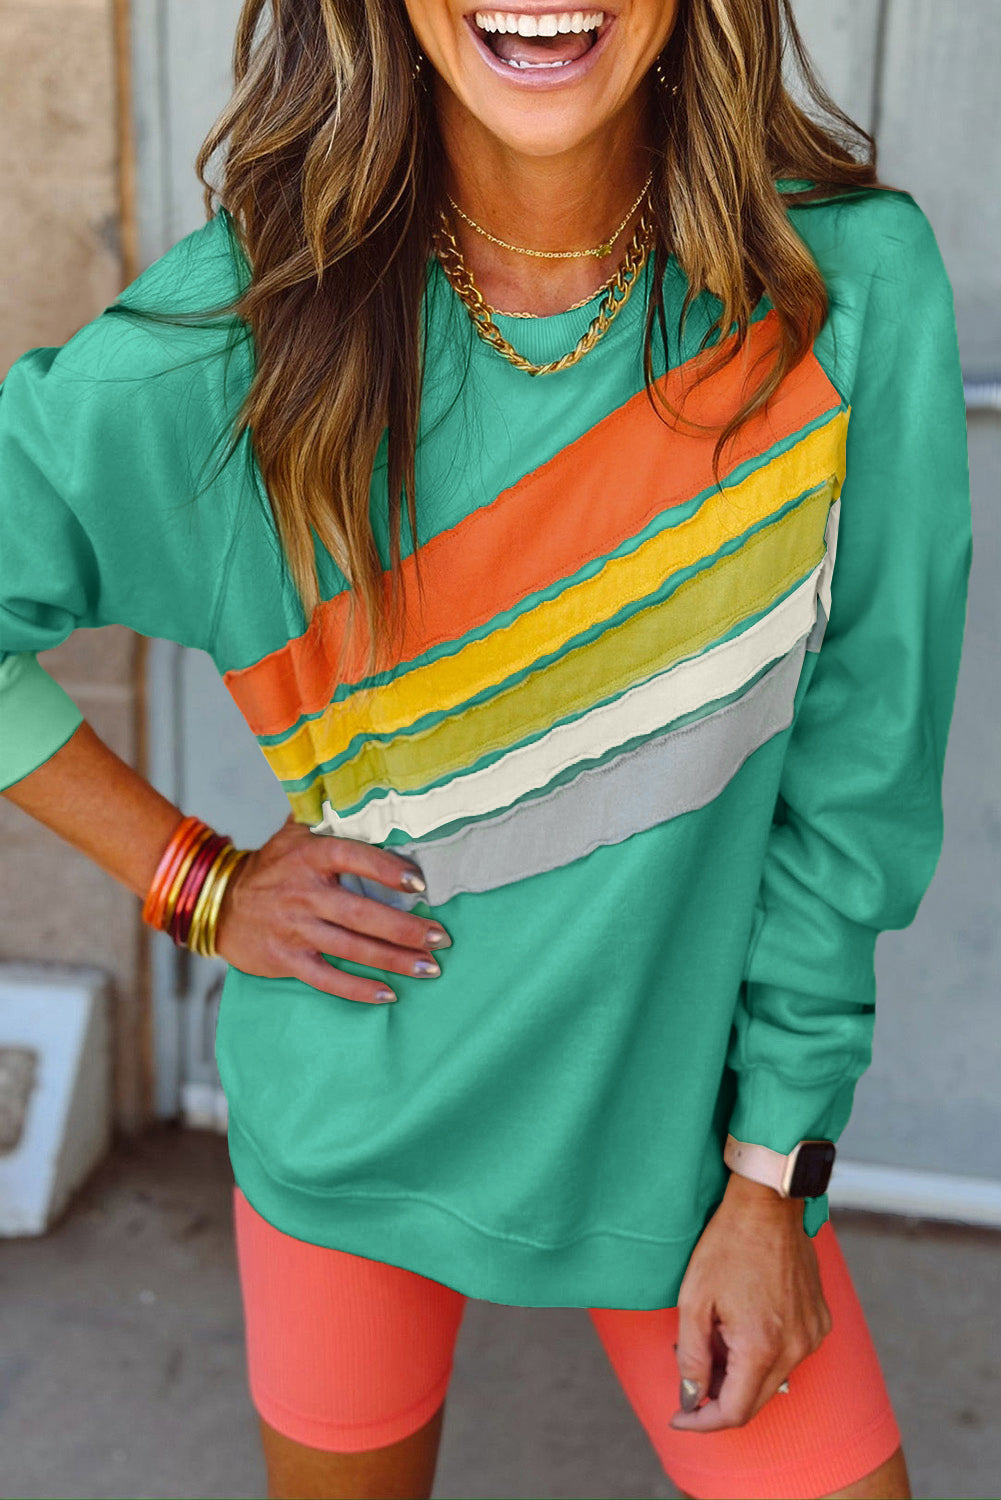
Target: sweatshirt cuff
column 37, row 716
column 772, row 1110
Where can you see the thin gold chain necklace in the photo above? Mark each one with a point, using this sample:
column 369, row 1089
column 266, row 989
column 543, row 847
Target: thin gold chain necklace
column 599, row 251
column 461, row 279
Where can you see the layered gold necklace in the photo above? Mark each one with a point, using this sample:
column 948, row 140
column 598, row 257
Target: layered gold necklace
column 598, row 251
column 618, row 287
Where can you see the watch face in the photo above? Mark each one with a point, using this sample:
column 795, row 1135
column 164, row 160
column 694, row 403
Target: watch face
column 812, row 1171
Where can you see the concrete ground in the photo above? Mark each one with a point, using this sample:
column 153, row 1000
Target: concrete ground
column 122, row 1374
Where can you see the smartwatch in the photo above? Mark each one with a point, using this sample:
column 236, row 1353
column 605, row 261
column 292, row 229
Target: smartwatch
column 804, row 1173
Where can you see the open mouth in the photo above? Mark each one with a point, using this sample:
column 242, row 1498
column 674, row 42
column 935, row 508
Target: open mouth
column 541, row 41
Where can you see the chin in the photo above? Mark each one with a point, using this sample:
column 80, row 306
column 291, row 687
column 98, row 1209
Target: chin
column 541, row 138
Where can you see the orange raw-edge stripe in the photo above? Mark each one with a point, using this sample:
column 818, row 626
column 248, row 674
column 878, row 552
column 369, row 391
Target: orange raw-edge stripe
column 571, row 490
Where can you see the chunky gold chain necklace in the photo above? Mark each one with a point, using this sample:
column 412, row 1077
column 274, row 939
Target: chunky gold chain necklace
column 599, row 251
column 461, row 278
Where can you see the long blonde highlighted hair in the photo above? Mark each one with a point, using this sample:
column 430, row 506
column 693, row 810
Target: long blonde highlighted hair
column 332, row 182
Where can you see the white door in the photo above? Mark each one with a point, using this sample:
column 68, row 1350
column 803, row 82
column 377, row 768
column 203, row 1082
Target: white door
column 927, row 1112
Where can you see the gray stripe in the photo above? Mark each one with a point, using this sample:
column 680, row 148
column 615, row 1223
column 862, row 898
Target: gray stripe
column 816, row 635
column 660, row 779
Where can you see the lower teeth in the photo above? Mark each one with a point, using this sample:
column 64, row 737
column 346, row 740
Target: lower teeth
column 514, row 63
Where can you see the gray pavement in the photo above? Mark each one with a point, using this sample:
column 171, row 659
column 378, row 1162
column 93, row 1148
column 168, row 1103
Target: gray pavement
column 122, row 1373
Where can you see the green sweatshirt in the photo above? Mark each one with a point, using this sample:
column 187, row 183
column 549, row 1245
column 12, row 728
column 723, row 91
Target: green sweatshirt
column 668, row 753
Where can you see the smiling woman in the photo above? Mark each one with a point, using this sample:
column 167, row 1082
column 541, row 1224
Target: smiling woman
column 569, row 84
column 641, row 725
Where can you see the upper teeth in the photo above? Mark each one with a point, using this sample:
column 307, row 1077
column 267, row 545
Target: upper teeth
column 548, row 25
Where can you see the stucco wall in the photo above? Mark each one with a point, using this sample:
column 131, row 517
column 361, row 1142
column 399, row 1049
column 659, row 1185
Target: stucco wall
column 61, row 248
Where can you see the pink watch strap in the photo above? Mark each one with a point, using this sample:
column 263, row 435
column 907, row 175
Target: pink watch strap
column 761, row 1163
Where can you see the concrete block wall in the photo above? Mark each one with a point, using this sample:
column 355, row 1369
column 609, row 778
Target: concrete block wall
column 61, row 248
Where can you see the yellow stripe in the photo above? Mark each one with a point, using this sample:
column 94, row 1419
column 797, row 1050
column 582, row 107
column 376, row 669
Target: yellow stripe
column 451, row 680
column 307, row 807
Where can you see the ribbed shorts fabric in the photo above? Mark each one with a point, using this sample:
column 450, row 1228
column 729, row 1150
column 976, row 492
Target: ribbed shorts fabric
column 348, row 1354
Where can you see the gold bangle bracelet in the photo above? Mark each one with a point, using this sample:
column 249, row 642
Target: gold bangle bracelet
column 213, row 923
column 204, row 895
column 234, row 858
column 213, row 901
column 196, row 937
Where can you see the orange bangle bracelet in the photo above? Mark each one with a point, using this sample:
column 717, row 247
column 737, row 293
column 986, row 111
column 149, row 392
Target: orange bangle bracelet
column 181, row 832
column 178, row 856
column 180, row 840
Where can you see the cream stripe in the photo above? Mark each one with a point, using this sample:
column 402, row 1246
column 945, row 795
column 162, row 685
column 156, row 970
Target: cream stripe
column 816, row 636
column 831, row 542
column 641, row 710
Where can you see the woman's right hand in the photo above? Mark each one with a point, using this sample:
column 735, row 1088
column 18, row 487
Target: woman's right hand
column 283, row 908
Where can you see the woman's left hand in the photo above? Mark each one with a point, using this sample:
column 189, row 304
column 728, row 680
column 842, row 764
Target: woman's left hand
column 750, row 1306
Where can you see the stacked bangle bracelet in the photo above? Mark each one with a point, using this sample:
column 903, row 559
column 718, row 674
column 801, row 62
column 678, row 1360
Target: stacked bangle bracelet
column 185, row 895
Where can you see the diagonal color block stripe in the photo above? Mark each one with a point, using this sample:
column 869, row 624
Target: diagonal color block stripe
column 698, row 612
column 674, row 774
column 660, row 467
column 480, row 665
column 640, row 711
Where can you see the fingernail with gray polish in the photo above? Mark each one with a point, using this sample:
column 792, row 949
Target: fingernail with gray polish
column 689, row 1395
column 426, row 966
column 411, row 881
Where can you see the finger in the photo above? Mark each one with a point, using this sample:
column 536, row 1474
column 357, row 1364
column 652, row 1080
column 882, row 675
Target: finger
column 719, row 1353
column 743, row 1391
column 342, row 942
column 779, row 1371
column 715, row 1416
column 694, row 1350
column 718, row 1363
column 379, row 920
column 313, row 970
column 334, row 854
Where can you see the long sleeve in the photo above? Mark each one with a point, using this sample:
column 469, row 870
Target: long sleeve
column 857, row 829
column 102, row 446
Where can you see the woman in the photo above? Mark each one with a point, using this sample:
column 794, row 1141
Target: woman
column 643, row 722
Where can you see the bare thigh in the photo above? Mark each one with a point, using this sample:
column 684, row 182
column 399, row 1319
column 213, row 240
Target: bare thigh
column 402, row 1471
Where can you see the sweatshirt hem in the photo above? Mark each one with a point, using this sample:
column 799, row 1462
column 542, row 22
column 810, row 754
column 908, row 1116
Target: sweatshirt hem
column 602, row 1268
